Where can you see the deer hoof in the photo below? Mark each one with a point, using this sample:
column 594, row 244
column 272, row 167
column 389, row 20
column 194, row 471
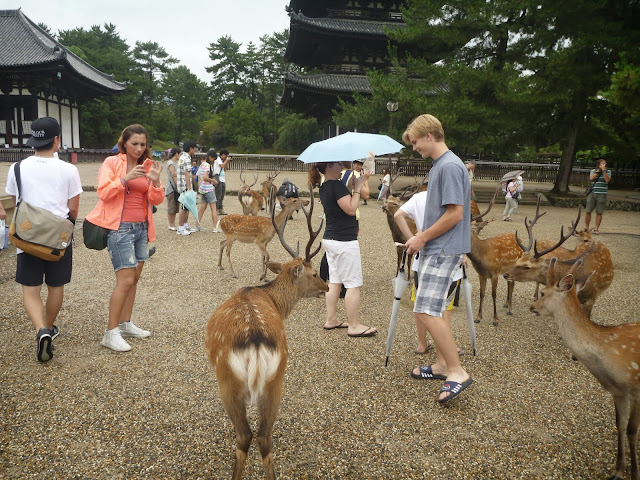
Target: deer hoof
column 476, row 321
column 509, row 313
column 495, row 323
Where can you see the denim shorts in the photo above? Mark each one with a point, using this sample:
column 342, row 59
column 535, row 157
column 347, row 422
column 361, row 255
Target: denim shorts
column 209, row 198
column 128, row 245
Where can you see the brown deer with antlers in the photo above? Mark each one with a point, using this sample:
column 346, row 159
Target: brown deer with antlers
column 610, row 353
column 595, row 257
column 258, row 230
column 269, row 189
column 247, row 344
column 390, row 207
column 251, row 200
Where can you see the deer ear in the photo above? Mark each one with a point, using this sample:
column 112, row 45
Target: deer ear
column 566, row 283
column 580, row 285
column 297, row 272
column 275, row 267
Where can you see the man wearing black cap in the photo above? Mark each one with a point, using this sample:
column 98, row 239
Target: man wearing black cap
column 52, row 184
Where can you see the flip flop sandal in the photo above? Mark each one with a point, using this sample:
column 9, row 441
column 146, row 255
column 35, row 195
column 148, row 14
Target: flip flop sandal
column 454, row 389
column 369, row 332
column 430, row 347
column 340, row 325
column 426, row 373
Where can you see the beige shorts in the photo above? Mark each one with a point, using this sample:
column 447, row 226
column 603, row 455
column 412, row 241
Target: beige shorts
column 172, row 204
column 344, row 262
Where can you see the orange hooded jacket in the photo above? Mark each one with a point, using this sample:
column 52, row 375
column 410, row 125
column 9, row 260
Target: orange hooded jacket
column 108, row 212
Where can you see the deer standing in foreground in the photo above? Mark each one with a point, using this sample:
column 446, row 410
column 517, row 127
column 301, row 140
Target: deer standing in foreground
column 247, row 344
column 610, row 353
column 595, row 257
column 258, row 230
column 268, row 190
column 251, row 201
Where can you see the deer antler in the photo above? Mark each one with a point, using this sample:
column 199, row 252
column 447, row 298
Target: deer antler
column 478, row 218
column 398, row 172
column 245, row 183
column 529, row 225
column 312, row 234
column 563, row 238
column 295, row 254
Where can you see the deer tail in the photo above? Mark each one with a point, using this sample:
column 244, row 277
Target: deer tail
column 255, row 366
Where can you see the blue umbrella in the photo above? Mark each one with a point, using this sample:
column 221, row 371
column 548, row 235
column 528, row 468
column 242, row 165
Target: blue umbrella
column 115, row 149
column 188, row 199
column 348, row 147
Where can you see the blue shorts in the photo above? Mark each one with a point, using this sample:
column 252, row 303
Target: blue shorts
column 128, row 245
column 209, row 198
column 435, row 273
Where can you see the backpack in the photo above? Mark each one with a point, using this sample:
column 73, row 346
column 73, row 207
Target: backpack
column 290, row 190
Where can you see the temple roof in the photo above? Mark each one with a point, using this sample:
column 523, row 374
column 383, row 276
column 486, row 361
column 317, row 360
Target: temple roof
column 329, row 84
column 342, row 26
column 25, row 47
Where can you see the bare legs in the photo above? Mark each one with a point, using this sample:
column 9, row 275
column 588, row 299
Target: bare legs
column 587, row 220
column 352, row 305
column 42, row 316
column 214, row 213
column 124, row 295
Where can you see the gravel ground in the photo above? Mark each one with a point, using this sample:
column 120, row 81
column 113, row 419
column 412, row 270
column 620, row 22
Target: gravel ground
column 154, row 412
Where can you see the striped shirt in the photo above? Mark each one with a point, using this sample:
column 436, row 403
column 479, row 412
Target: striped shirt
column 601, row 186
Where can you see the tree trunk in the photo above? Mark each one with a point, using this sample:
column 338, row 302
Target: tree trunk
column 561, row 185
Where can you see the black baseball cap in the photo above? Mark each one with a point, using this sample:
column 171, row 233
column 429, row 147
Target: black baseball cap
column 43, row 131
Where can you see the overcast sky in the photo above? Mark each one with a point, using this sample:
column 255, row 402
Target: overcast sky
column 185, row 28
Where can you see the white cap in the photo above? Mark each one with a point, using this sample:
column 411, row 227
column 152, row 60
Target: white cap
column 519, row 178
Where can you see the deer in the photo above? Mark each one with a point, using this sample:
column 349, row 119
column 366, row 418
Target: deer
column 390, row 207
column 246, row 343
column 267, row 188
column 253, row 229
column 492, row 257
column 595, row 256
column 251, row 201
column 610, row 353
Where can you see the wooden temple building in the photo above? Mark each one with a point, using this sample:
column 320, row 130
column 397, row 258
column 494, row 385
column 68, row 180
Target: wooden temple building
column 40, row 77
column 335, row 42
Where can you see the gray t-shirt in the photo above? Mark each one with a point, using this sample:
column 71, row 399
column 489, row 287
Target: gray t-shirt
column 448, row 185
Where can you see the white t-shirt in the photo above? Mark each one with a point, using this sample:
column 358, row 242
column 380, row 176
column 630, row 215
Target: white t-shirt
column 46, row 183
column 414, row 208
column 218, row 170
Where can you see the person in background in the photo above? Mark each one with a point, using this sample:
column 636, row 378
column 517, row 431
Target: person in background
column 471, row 166
column 514, row 187
column 442, row 244
column 52, row 184
column 207, row 184
column 184, row 183
column 357, row 171
column 385, row 185
column 597, row 198
column 340, row 242
column 218, row 169
column 128, row 186
column 171, row 189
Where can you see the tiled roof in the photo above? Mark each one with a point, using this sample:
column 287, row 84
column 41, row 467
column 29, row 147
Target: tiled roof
column 357, row 27
column 24, row 44
column 330, row 84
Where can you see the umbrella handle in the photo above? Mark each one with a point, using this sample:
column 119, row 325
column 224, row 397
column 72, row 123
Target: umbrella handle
column 404, row 259
column 464, row 272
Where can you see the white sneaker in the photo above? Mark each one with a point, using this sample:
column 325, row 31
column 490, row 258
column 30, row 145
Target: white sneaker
column 113, row 339
column 183, row 231
column 191, row 229
column 129, row 329
column 172, row 229
column 200, row 229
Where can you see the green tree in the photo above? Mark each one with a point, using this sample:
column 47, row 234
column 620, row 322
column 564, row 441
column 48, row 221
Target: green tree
column 154, row 62
column 297, row 133
column 228, row 69
column 186, row 97
column 103, row 119
column 242, row 120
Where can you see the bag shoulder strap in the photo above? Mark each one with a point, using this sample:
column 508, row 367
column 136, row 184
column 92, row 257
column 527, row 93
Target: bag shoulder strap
column 16, row 172
column 594, row 182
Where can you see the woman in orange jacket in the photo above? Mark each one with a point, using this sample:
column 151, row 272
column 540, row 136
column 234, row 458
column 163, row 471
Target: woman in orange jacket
column 128, row 186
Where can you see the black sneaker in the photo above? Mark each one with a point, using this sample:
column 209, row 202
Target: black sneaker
column 152, row 250
column 54, row 332
column 45, row 348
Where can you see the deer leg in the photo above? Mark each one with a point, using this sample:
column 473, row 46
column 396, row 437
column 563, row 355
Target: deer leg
column 537, row 293
column 494, row 291
column 268, row 411
column 622, row 416
column 229, row 243
column 265, row 259
column 223, row 243
column 632, row 438
column 510, row 286
column 235, row 407
column 483, row 288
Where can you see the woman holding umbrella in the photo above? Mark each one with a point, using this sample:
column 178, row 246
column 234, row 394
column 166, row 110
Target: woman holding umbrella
column 128, row 186
column 340, row 242
column 512, row 195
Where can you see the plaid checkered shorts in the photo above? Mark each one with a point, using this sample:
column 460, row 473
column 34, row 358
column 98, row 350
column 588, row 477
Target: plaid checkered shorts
column 435, row 272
